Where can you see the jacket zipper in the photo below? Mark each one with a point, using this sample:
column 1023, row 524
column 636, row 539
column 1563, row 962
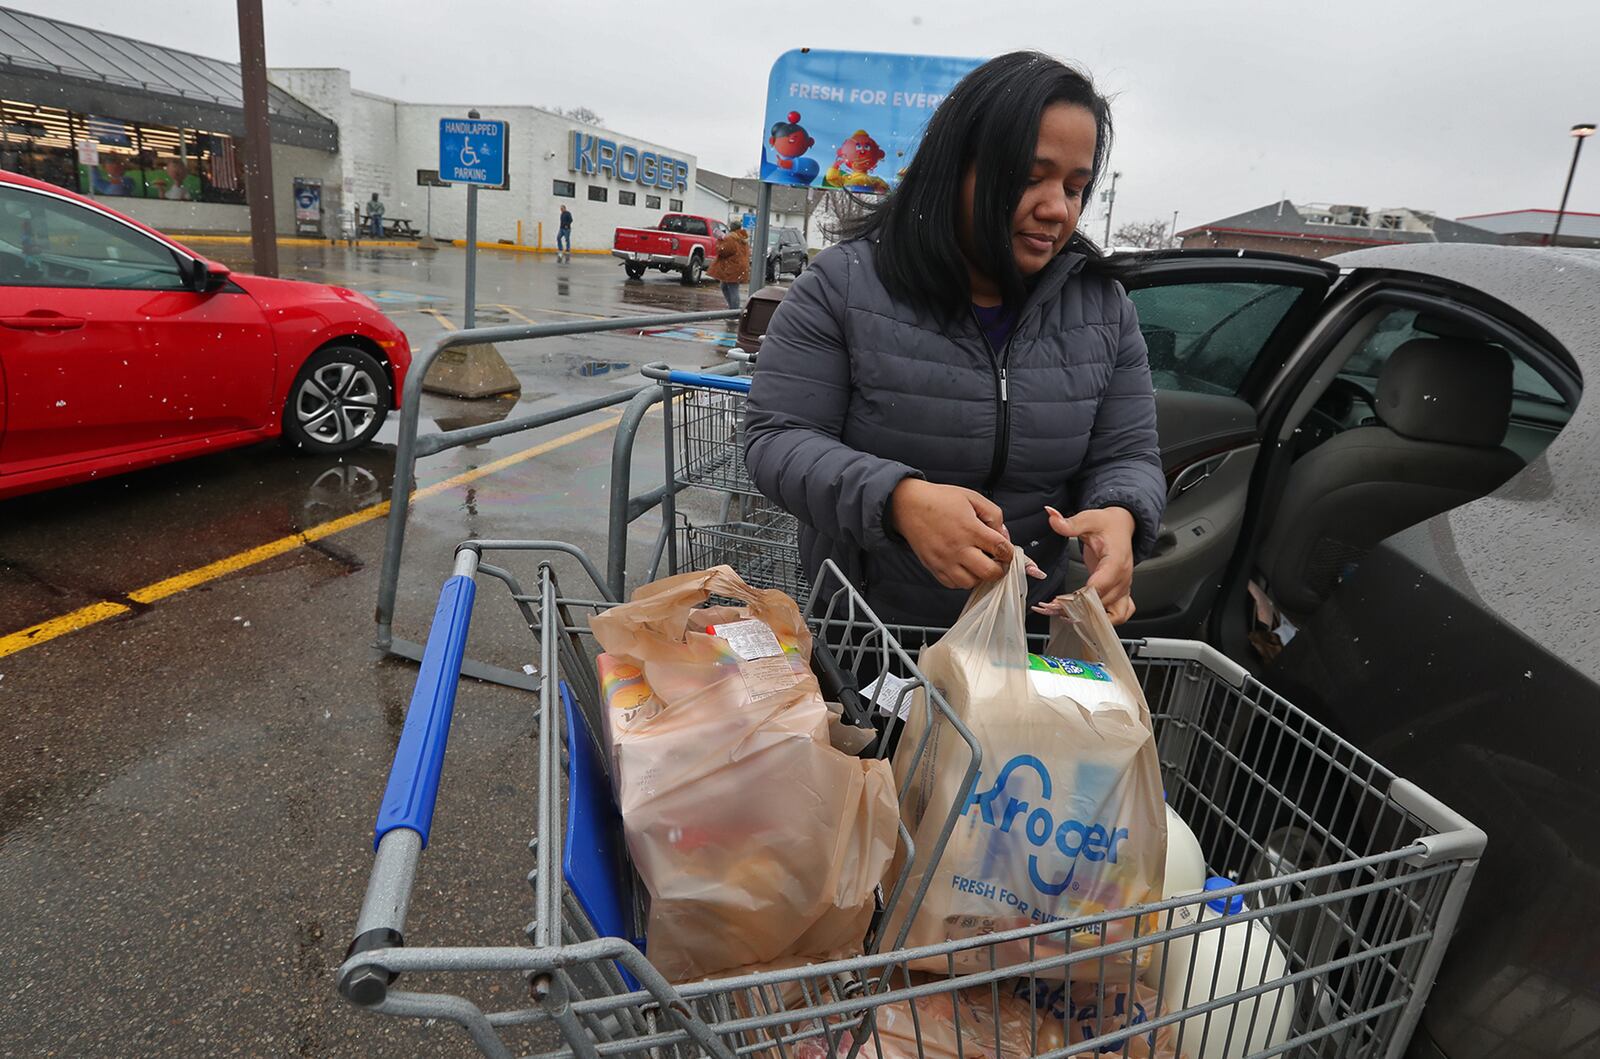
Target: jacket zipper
column 1002, row 404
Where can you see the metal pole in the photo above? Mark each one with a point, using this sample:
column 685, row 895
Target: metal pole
column 257, row 138
column 758, row 253
column 1577, row 149
column 430, row 211
column 1111, row 201
column 472, row 250
column 1172, row 240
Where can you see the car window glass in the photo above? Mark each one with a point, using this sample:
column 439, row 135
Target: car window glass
column 694, row 226
column 49, row 242
column 672, row 224
column 1399, row 326
column 1205, row 337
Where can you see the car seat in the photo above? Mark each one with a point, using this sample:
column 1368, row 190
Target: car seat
column 1443, row 406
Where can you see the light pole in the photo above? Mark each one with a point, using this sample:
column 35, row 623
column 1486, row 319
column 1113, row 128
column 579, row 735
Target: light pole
column 1109, row 197
column 1580, row 133
column 1172, row 240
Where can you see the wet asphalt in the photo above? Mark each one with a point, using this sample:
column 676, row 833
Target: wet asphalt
column 188, row 790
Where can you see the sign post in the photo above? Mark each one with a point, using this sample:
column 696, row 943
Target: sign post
column 847, row 121
column 472, row 152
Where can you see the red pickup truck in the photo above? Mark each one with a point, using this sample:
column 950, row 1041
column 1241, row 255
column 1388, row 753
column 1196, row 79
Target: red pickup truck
column 682, row 243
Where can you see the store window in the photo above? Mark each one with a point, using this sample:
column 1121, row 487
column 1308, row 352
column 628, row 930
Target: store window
column 109, row 157
column 563, row 189
column 626, row 198
column 652, row 202
column 675, row 205
column 596, row 193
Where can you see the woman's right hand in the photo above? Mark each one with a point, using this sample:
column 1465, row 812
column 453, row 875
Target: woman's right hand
column 958, row 534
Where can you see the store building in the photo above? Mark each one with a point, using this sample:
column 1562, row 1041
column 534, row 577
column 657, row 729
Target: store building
column 161, row 132
column 157, row 129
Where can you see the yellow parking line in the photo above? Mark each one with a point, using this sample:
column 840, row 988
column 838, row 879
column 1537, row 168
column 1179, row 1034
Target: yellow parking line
column 444, row 321
column 95, row 613
column 558, row 312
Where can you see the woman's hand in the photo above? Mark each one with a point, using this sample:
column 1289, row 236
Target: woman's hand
column 1107, row 536
column 958, row 534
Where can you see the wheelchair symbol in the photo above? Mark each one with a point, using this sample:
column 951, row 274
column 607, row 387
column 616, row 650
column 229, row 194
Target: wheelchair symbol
column 469, row 157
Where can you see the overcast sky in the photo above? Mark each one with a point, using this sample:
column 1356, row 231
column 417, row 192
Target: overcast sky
column 1456, row 106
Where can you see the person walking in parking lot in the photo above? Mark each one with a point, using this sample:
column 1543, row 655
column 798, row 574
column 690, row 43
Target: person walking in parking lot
column 732, row 266
column 564, row 236
column 375, row 216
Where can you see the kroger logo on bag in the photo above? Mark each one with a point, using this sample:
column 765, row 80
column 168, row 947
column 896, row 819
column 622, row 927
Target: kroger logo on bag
column 1010, row 813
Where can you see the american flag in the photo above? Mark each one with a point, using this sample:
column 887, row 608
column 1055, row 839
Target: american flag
column 224, row 161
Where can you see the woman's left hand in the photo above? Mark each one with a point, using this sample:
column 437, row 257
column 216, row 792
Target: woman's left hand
column 1107, row 536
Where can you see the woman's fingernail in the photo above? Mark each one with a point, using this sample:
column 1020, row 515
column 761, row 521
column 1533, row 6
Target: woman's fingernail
column 1053, row 512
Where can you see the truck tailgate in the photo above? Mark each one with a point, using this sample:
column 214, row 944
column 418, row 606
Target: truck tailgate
column 642, row 240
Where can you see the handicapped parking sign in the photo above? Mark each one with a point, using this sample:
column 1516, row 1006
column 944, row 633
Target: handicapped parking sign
column 473, row 151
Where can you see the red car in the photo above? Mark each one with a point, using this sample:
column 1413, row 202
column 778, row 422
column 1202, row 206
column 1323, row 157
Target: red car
column 120, row 348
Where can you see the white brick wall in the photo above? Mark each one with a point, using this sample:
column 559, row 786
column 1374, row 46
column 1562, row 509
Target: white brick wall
column 383, row 142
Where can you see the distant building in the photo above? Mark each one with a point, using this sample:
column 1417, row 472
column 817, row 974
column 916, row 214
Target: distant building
column 1321, row 229
column 719, row 195
column 1533, row 227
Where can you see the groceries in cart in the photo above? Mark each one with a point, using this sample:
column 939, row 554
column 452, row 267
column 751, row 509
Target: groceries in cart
column 1066, row 818
column 754, row 836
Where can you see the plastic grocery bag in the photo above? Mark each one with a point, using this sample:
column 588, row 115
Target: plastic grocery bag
column 1066, row 818
column 754, row 837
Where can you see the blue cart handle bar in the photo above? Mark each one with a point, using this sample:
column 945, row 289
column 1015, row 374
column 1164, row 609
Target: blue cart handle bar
column 698, row 379
column 414, row 776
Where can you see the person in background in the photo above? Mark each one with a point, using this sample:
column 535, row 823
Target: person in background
column 175, row 181
column 564, row 236
column 959, row 377
column 732, row 266
column 193, row 182
column 375, row 215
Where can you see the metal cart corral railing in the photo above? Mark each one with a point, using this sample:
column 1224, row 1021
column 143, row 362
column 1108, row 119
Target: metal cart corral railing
column 1364, row 929
column 410, row 448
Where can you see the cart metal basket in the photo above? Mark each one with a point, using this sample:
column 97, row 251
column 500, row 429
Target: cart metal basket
column 703, row 424
column 1261, row 783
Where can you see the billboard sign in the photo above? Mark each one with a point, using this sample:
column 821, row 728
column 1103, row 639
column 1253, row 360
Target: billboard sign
column 851, row 120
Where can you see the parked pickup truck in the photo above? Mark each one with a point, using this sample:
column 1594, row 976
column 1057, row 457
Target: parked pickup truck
column 682, row 243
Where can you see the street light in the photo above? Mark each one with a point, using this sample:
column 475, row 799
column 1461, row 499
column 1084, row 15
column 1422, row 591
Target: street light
column 1109, row 197
column 1579, row 133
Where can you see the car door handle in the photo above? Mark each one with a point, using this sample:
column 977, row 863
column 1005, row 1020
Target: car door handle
column 43, row 322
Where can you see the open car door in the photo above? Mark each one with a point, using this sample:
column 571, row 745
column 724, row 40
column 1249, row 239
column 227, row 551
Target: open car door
column 1219, row 325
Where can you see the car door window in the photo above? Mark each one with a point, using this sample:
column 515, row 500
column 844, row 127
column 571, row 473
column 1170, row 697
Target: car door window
column 1205, row 337
column 694, row 226
column 51, row 242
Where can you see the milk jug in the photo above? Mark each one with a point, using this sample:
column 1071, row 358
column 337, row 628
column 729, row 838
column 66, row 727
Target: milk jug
column 1186, row 864
column 1237, row 1029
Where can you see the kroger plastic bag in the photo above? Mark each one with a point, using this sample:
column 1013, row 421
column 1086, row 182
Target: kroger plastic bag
column 1066, row 818
column 755, row 837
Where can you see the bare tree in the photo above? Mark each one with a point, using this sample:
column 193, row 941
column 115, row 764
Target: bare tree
column 1149, row 235
column 581, row 115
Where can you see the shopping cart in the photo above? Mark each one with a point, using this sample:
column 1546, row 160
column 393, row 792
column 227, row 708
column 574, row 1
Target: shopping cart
column 703, row 424
column 1365, row 927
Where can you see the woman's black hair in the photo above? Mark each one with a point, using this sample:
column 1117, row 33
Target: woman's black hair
column 991, row 117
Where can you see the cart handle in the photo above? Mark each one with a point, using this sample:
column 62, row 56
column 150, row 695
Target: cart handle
column 405, row 815
column 419, row 758
column 699, row 379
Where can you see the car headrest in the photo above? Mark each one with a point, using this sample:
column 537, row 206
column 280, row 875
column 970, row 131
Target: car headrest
column 1447, row 390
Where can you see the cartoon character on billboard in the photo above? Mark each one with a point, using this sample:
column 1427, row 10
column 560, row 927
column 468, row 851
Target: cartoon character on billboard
column 789, row 142
column 853, row 164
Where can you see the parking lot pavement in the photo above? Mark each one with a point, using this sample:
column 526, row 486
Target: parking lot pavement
column 186, row 810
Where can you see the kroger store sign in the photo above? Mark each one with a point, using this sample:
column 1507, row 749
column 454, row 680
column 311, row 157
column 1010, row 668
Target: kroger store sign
column 591, row 155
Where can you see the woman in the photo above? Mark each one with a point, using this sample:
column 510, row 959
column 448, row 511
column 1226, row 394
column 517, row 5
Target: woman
column 957, row 377
column 732, row 266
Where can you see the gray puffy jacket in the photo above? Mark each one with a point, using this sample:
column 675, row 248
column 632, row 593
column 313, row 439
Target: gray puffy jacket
column 855, row 391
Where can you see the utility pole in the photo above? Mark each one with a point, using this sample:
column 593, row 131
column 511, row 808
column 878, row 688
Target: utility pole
column 1110, row 197
column 1172, row 240
column 257, row 139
